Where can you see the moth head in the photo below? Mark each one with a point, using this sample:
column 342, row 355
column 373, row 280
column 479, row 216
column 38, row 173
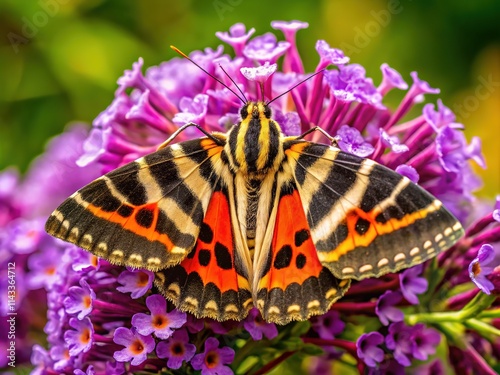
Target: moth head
column 255, row 110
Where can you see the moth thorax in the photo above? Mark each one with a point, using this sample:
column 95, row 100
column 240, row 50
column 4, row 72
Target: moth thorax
column 255, row 144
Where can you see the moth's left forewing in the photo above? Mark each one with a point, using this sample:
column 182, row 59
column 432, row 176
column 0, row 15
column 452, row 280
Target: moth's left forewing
column 367, row 220
column 146, row 214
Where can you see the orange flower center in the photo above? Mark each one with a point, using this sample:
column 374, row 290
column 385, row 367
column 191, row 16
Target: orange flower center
column 143, row 279
column 212, row 359
column 137, row 347
column 85, row 336
column 159, row 321
column 87, row 301
column 476, row 268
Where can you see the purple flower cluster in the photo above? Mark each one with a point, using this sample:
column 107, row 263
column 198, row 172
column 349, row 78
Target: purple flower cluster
column 104, row 319
column 404, row 343
column 93, row 328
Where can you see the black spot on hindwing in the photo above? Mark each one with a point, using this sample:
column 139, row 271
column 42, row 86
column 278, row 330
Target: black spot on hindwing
column 206, row 234
column 283, row 257
column 223, row 257
column 301, row 236
column 204, row 257
column 300, row 261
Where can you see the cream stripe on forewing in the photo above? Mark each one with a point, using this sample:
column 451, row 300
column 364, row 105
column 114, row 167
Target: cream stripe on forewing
column 316, row 174
column 78, row 198
column 114, row 191
column 391, row 199
column 153, row 190
column 351, row 199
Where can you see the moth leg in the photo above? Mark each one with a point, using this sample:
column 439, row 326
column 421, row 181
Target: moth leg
column 184, row 127
column 334, row 140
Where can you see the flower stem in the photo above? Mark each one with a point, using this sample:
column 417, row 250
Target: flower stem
column 479, row 303
column 484, row 329
column 275, row 362
column 242, row 353
column 492, row 313
column 348, row 346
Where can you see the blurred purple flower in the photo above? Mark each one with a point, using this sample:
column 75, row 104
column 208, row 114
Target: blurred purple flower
column 54, row 175
column 259, row 74
column 257, row 327
column 83, row 261
column 368, row 348
column 80, row 338
column 425, row 341
column 407, row 171
column 391, row 79
column 440, row 118
column 478, row 269
column 399, row 340
column 79, row 300
column 213, row 360
column 40, row 359
column 160, row 322
column 329, row 55
column 136, row 346
column 352, row 141
column 386, row 310
column 237, row 37
column 25, row 235
column 328, row 325
column 176, row 348
column 45, row 268
column 138, row 282
column 265, row 48
column 9, row 184
column 193, row 110
column 392, row 142
column 408, row 343
column 89, row 371
column 412, row 284
column 289, row 122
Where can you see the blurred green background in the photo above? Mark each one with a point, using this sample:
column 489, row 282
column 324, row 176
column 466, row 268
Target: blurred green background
column 60, row 59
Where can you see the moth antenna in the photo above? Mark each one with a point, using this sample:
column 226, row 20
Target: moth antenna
column 234, row 83
column 294, row 86
column 211, row 75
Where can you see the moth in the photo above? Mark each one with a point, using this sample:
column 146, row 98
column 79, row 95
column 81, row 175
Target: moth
column 253, row 217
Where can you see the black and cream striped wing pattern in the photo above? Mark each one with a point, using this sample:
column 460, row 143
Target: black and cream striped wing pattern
column 148, row 213
column 365, row 219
